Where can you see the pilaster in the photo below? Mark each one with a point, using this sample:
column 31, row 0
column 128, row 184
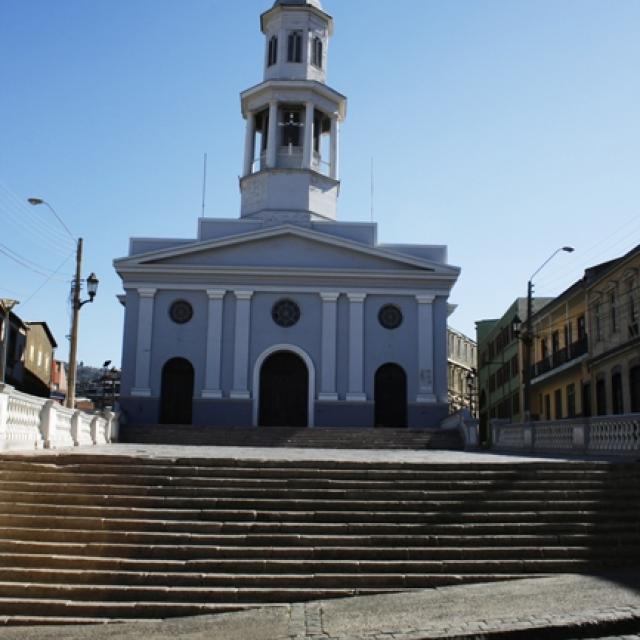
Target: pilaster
column 355, row 391
column 333, row 158
column 212, row 388
column 329, row 346
column 142, row 387
column 241, row 345
column 249, row 144
column 425, row 349
column 272, row 141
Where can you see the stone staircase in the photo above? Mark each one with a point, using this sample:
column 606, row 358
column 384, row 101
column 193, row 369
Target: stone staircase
column 316, row 438
column 94, row 538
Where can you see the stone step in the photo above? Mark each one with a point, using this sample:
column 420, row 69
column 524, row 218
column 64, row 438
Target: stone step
column 335, row 438
column 453, row 530
column 555, row 514
column 122, row 579
column 63, row 608
column 318, row 552
column 627, row 495
column 274, row 566
column 215, row 482
column 450, row 546
column 325, row 503
column 319, row 467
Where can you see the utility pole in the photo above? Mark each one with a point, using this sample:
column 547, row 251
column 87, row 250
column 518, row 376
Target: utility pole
column 73, row 346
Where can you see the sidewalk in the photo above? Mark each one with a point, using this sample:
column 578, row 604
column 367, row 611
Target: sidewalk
column 564, row 603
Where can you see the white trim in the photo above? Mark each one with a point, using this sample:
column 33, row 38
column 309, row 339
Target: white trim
column 312, row 379
column 165, row 286
column 283, row 230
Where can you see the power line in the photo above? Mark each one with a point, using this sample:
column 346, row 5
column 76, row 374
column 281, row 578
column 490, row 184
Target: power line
column 30, row 297
column 23, row 216
column 26, row 261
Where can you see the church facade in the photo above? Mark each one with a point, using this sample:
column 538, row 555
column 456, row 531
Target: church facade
column 286, row 316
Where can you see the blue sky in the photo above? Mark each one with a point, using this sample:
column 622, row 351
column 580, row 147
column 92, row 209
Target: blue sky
column 502, row 128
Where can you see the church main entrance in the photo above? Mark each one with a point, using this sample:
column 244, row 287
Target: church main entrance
column 177, row 392
column 284, row 391
column 390, row 393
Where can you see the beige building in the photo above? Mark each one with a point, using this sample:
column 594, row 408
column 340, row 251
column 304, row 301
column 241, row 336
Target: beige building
column 613, row 303
column 462, row 365
column 38, row 358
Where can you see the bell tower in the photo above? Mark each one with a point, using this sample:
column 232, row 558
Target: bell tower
column 290, row 170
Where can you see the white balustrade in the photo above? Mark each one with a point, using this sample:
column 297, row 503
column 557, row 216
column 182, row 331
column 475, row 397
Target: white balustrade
column 554, row 435
column 27, row 422
column 601, row 434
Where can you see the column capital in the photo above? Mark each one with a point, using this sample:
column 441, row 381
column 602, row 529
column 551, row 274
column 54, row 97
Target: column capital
column 329, row 296
column 356, row 297
column 147, row 292
column 216, row 294
column 425, row 298
column 243, row 295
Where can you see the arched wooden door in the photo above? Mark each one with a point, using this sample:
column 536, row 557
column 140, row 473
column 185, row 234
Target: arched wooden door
column 284, row 391
column 390, row 394
column 177, row 392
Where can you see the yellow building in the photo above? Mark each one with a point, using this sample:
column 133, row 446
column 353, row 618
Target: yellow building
column 613, row 300
column 560, row 383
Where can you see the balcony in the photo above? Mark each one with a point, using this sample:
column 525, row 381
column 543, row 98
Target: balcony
column 560, row 357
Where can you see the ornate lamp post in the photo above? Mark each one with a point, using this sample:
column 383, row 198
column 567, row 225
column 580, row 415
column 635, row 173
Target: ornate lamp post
column 6, row 305
column 76, row 303
column 528, row 339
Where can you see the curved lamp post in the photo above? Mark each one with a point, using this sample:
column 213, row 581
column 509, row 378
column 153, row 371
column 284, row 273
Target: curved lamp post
column 529, row 337
column 77, row 304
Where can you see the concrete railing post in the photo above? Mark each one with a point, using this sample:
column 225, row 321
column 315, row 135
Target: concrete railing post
column 527, row 435
column 48, row 423
column 5, row 392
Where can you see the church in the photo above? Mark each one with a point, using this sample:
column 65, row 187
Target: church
column 286, row 316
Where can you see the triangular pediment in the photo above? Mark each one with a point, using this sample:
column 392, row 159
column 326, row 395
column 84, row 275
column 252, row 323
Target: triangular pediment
column 284, row 247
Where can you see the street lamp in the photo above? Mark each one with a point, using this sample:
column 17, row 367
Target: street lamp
column 7, row 304
column 76, row 304
column 529, row 337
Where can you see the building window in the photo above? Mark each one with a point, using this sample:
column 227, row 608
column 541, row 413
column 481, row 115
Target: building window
column 39, row 362
column 515, row 401
column 316, row 52
column 390, row 317
column 547, row 406
column 601, row 397
column 273, row 51
column 598, row 322
column 558, row 403
column 616, row 393
column 181, row 312
column 285, row 313
column 582, row 328
column 571, row 401
column 291, row 125
column 294, row 47
column 32, row 353
column 612, row 312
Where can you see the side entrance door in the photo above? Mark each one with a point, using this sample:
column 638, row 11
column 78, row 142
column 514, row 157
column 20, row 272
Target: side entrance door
column 390, row 393
column 177, row 392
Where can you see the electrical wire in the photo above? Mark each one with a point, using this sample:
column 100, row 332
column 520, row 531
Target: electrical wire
column 30, row 264
column 30, row 297
column 36, row 227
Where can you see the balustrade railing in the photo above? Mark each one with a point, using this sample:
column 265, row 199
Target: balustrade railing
column 28, row 422
column 618, row 434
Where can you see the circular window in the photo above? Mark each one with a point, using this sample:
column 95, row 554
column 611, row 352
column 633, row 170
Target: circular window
column 285, row 313
column 181, row 311
column 390, row 316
